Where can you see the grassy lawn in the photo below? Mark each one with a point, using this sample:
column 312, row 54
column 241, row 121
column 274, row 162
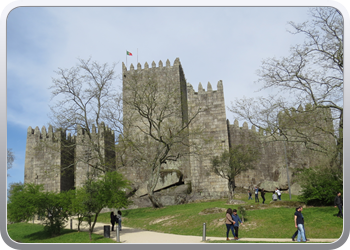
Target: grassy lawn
column 261, row 221
column 271, row 220
column 33, row 233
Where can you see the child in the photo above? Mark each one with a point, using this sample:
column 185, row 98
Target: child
column 249, row 195
column 274, row 197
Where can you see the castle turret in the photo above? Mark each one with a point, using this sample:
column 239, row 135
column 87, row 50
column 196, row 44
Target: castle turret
column 49, row 159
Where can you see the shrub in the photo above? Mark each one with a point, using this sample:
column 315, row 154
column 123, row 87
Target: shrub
column 320, row 185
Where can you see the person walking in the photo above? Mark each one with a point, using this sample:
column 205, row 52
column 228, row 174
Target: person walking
column 296, row 232
column 119, row 218
column 338, row 202
column 299, row 223
column 229, row 223
column 256, row 192
column 278, row 192
column 263, row 195
column 237, row 220
column 112, row 220
column 249, row 195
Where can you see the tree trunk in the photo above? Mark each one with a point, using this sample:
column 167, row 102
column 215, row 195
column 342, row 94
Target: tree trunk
column 231, row 188
column 155, row 202
column 152, row 183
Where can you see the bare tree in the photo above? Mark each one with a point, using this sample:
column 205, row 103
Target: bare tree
column 156, row 125
column 86, row 99
column 308, row 107
column 10, row 159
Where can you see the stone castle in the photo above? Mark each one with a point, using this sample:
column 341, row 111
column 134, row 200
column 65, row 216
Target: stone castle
column 54, row 158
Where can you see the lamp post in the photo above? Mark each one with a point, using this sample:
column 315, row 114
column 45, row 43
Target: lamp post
column 285, row 154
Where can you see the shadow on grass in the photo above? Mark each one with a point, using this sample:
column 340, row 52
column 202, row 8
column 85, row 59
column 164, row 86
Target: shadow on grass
column 44, row 235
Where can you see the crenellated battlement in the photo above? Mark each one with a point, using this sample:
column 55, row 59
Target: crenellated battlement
column 245, row 128
column 308, row 110
column 206, row 97
column 201, row 90
column 154, row 66
column 59, row 134
column 101, row 131
column 302, row 117
column 49, row 134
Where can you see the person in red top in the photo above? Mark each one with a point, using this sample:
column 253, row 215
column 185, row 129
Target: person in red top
column 229, row 223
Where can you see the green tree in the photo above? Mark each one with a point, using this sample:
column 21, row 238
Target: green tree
column 54, row 207
column 107, row 190
column 28, row 200
column 320, row 185
column 77, row 209
column 231, row 163
column 22, row 201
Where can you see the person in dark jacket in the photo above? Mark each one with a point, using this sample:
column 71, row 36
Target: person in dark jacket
column 237, row 220
column 249, row 195
column 256, row 192
column 263, row 195
column 112, row 220
column 338, row 202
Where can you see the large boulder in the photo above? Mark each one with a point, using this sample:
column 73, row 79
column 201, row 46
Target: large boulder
column 168, row 177
column 270, row 186
column 296, row 189
column 169, row 196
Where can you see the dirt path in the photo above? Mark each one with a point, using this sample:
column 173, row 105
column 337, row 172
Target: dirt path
column 132, row 235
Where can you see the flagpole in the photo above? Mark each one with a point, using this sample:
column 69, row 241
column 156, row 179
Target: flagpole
column 137, row 58
column 126, row 58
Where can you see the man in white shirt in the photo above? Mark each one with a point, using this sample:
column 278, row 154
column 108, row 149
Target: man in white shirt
column 278, row 192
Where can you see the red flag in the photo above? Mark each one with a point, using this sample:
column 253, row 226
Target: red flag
column 128, row 53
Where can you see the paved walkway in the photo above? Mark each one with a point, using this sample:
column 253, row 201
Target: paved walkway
column 132, row 235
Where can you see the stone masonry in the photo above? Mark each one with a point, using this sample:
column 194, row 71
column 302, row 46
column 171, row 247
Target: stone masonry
column 64, row 171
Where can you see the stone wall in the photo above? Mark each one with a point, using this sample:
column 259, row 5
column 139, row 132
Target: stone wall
column 271, row 169
column 208, row 138
column 60, row 161
column 45, row 161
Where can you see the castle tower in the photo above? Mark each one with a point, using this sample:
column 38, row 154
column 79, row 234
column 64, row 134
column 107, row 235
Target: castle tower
column 87, row 158
column 211, row 124
column 163, row 90
column 61, row 161
column 49, row 159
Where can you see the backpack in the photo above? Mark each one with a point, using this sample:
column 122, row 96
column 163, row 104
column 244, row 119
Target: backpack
column 116, row 219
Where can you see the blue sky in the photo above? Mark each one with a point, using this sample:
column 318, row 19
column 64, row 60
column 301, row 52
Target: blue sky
column 213, row 43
